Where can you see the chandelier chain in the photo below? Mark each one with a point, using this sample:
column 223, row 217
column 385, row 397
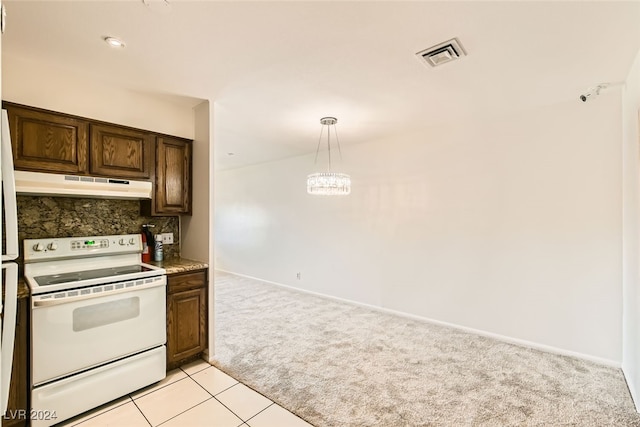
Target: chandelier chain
column 329, row 147
column 328, row 183
column 335, row 130
column 315, row 161
column 328, row 122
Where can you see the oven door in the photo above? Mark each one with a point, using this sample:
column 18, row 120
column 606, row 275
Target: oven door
column 72, row 335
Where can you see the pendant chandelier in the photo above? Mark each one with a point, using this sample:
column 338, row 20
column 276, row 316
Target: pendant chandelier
column 328, row 183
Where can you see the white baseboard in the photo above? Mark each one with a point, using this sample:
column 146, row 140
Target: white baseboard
column 503, row 338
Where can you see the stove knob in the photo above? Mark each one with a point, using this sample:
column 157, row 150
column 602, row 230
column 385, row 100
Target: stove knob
column 52, row 246
column 38, row 247
column 132, row 241
column 121, row 242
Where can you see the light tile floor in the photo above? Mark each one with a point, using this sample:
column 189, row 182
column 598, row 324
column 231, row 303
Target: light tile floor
column 196, row 395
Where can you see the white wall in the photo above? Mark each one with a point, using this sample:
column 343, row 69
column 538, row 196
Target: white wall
column 631, row 228
column 197, row 236
column 26, row 82
column 510, row 226
column 196, row 228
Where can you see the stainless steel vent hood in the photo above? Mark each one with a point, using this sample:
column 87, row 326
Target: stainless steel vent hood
column 51, row 184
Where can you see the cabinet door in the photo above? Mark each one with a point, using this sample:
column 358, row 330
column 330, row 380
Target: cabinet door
column 47, row 142
column 120, row 152
column 18, row 406
column 173, row 176
column 186, row 325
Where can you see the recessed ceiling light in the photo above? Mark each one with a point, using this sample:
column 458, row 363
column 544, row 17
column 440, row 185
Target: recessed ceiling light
column 114, row 42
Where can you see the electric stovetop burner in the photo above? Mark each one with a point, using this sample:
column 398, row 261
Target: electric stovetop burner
column 77, row 276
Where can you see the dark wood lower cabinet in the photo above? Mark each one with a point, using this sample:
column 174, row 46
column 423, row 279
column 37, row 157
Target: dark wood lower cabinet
column 18, row 405
column 186, row 317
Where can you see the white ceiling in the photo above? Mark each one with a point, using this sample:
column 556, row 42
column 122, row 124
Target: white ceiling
column 274, row 69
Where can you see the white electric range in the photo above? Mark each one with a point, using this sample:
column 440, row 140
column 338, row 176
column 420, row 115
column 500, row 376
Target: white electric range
column 98, row 322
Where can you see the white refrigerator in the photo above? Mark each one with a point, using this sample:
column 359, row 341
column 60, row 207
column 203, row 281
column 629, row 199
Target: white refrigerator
column 9, row 277
column 9, row 225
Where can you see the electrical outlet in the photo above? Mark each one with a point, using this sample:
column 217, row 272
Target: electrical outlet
column 167, row 238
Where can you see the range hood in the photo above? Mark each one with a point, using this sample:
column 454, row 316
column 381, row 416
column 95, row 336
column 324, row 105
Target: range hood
column 53, row 184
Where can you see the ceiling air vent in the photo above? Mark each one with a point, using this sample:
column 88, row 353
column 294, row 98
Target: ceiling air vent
column 442, row 53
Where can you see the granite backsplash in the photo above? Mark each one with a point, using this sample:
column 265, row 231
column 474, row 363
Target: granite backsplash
column 42, row 217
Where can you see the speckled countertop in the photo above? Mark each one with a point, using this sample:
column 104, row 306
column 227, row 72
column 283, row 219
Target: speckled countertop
column 172, row 265
column 180, row 265
column 23, row 289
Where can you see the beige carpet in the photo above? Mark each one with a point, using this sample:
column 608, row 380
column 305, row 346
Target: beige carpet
column 336, row 364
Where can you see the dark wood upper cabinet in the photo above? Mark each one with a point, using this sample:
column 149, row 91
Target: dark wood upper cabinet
column 120, row 152
column 173, row 177
column 46, row 141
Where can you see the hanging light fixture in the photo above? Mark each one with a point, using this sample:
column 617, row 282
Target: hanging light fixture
column 328, row 183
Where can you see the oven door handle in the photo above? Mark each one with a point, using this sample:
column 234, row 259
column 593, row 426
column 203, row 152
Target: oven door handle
column 54, row 302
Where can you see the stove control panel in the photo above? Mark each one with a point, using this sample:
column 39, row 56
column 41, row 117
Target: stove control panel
column 125, row 242
column 71, row 247
column 82, row 244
